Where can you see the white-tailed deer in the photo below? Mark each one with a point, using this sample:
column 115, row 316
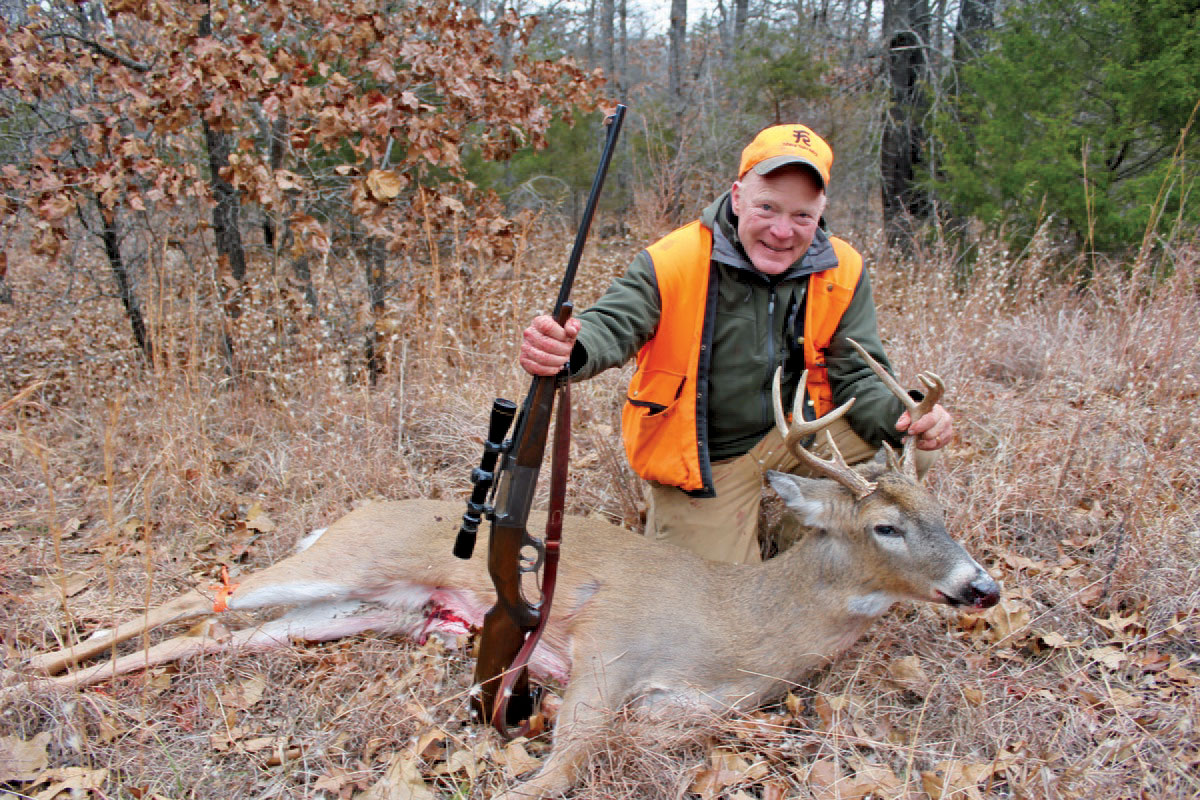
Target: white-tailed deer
column 634, row 622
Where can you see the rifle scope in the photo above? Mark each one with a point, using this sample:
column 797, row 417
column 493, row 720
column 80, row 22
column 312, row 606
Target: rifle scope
column 484, row 475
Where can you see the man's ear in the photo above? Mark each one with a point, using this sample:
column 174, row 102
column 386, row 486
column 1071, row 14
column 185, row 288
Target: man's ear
column 811, row 500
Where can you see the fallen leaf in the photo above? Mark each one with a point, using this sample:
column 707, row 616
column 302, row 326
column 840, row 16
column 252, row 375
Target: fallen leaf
column 1123, row 627
column 428, row 744
column 728, row 768
column 54, row 586
column 1181, row 674
column 957, row 779
column 460, row 761
column 402, row 781
column 1056, row 640
column 1006, row 619
column 333, row 781
column 1123, row 699
column 974, row 695
column 517, row 760
column 823, row 777
column 1109, row 657
column 23, row 760
column 74, row 780
column 243, row 694
column 873, row 780
column 258, row 520
column 907, row 673
column 109, row 729
column 384, row 185
column 774, row 791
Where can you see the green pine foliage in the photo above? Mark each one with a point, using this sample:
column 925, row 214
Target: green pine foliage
column 556, row 177
column 776, row 72
column 1076, row 113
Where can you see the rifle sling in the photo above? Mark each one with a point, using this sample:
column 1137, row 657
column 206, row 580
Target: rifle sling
column 558, row 493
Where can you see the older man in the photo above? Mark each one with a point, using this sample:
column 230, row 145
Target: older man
column 711, row 310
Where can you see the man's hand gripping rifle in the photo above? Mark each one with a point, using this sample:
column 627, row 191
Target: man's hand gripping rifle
column 513, row 626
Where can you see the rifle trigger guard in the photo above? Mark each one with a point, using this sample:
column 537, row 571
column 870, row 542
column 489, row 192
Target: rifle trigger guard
column 529, row 563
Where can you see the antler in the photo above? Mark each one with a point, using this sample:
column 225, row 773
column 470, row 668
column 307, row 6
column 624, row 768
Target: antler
column 835, row 468
column 934, row 389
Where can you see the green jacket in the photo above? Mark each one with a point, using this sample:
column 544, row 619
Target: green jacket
column 757, row 328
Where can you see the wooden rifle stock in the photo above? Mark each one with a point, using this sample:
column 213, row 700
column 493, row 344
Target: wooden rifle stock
column 512, row 551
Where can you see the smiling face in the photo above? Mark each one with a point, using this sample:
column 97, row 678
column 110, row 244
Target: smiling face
column 777, row 216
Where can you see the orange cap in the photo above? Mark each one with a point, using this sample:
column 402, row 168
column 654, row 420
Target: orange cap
column 781, row 145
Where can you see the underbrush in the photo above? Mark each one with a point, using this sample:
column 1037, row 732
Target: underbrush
column 1074, row 478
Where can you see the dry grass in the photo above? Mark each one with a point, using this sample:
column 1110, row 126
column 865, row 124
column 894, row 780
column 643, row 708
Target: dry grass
column 1075, row 479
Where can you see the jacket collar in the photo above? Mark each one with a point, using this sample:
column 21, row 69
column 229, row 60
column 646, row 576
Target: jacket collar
column 719, row 217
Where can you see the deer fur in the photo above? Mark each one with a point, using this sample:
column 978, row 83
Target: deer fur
column 634, row 622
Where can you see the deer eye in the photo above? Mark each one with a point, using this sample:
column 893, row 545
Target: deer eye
column 888, row 530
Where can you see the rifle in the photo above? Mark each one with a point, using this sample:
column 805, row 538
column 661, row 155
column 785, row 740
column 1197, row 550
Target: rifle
column 511, row 628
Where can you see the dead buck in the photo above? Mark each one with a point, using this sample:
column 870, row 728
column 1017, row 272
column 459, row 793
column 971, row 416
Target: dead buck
column 635, row 623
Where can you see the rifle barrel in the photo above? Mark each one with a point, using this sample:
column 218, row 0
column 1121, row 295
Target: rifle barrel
column 610, row 143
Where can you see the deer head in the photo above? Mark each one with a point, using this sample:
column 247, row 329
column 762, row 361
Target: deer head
column 879, row 516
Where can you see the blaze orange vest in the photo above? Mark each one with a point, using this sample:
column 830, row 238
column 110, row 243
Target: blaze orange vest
column 659, row 421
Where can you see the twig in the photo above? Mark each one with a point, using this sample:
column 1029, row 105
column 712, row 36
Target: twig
column 20, row 396
column 95, row 46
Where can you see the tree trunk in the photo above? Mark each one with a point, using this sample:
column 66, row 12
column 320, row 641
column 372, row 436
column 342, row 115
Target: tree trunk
column 623, row 57
column 5, row 289
column 677, row 42
column 608, row 59
column 975, row 19
column 227, row 211
column 589, row 42
column 904, row 146
column 110, row 235
column 275, row 133
column 280, row 239
column 376, row 285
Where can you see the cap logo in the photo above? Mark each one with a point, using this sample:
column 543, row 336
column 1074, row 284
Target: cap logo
column 780, row 145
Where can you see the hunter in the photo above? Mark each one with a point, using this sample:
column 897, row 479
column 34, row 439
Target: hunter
column 710, row 310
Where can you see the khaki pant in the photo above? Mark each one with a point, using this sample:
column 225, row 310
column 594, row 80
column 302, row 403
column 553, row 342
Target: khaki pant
column 725, row 527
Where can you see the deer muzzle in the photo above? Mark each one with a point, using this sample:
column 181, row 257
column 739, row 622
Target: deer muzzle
column 981, row 592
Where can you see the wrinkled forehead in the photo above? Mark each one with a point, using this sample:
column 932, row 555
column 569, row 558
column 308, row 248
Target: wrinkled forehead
column 793, row 186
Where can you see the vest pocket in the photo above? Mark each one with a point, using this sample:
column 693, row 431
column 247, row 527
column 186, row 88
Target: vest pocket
column 656, row 392
column 659, row 427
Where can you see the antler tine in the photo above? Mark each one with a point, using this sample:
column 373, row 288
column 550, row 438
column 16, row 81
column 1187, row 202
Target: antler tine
column 886, row 377
column 835, row 468
column 934, row 389
column 799, row 427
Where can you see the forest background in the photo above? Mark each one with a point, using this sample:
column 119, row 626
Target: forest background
column 260, row 262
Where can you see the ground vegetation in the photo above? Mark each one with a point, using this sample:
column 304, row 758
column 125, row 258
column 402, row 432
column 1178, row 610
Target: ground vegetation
column 262, row 262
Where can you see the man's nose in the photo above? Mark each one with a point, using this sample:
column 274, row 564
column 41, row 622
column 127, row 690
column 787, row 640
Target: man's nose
column 781, row 228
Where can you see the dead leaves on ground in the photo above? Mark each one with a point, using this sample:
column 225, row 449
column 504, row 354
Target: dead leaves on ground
column 830, row 746
column 27, row 762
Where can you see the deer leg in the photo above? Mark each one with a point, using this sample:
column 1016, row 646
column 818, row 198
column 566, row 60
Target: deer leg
column 574, row 743
column 593, row 693
column 284, row 583
column 192, row 604
column 310, row 623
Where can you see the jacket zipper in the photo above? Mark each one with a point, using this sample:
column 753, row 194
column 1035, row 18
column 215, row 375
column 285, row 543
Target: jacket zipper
column 767, row 414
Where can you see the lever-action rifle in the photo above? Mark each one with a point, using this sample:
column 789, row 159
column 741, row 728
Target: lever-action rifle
column 511, row 628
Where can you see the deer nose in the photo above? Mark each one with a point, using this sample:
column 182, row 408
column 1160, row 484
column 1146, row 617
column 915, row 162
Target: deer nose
column 983, row 592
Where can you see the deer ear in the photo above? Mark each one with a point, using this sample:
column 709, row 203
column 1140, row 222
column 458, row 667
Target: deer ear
column 809, row 499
